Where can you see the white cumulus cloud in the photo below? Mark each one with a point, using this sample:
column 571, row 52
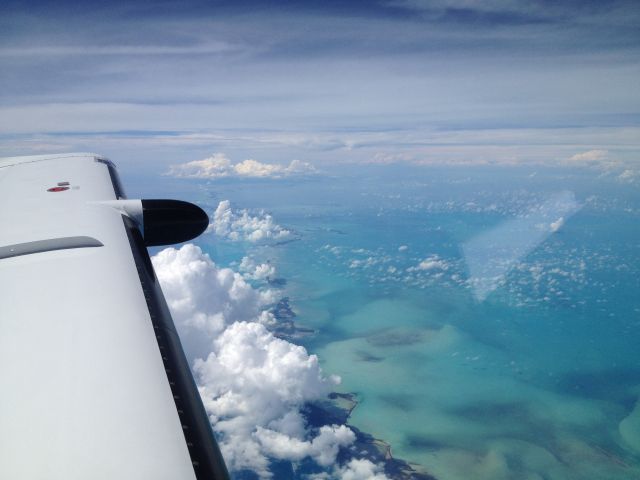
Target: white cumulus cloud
column 430, row 263
column 323, row 448
column 220, row 166
column 256, row 271
column 597, row 158
column 629, row 176
column 253, row 384
column 590, row 156
column 557, row 225
column 204, row 298
column 361, row 469
column 621, row 170
column 240, row 225
column 355, row 469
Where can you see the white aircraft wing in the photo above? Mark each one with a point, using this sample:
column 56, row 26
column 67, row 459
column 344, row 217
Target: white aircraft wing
column 94, row 382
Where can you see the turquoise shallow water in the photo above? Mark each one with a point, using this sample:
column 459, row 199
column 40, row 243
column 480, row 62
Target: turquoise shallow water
column 537, row 378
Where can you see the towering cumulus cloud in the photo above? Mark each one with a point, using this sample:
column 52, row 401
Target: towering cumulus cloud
column 253, row 384
column 204, row 299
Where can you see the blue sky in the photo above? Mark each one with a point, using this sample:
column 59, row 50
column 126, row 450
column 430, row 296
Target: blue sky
column 444, row 81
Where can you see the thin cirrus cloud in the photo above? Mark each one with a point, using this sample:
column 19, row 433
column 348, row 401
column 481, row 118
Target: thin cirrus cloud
column 447, row 81
column 78, row 50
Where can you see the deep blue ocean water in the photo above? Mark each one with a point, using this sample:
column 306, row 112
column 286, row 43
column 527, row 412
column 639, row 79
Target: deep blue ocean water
column 487, row 319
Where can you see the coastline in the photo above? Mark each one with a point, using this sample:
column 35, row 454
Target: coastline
column 338, row 407
column 374, row 449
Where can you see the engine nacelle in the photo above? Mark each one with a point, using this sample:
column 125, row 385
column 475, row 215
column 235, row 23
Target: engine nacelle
column 164, row 222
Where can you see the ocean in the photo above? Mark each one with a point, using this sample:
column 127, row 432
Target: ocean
column 485, row 319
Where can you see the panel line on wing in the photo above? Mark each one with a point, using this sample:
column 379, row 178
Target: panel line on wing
column 48, row 245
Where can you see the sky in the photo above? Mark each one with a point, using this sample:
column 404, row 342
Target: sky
column 151, row 84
